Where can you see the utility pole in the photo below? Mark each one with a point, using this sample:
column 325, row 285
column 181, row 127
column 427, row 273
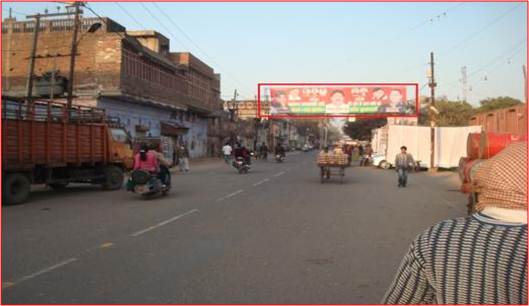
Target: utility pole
column 32, row 56
column 464, row 83
column 432, row 85
column 73, row 52
column 53, row 72
column 525, row 82
column 31, row 69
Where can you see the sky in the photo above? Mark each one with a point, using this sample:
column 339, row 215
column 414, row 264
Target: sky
column 248, row 43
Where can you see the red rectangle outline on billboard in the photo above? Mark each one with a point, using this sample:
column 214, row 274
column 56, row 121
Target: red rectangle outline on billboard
column 287, row 116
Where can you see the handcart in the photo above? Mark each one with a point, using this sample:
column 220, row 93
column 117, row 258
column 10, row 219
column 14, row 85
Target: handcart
column 328, row 170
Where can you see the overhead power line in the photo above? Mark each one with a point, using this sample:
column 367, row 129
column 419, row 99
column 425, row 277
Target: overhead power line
column 473, row 35
column 437, row 16
column 130, row 15
column 494, row 63
column 163, row 25
column 210, row 58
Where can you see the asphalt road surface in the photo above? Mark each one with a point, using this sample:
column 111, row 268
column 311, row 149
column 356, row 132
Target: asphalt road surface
column 274, row 235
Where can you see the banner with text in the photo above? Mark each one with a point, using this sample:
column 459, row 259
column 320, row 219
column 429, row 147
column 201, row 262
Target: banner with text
column 345, row 100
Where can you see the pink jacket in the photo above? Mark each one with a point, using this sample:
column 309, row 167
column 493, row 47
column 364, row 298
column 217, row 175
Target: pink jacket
column 151, row 164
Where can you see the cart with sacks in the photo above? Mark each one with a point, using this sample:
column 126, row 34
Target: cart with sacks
column 332, row 164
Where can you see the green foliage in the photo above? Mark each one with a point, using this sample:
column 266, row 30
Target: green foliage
column 496, row 103
column 361, row 128
column 453, row 113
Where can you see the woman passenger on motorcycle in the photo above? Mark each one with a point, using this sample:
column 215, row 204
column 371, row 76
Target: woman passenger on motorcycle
column 146, row 160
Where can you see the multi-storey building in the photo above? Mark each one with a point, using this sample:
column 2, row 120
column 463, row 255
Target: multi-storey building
column 131, row 74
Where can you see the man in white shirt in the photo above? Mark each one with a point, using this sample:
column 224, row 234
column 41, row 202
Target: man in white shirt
column 226, row 151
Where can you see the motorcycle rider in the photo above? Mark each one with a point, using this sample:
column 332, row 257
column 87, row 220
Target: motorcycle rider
column 243, row 153
column 280, row 150
column 164, row 175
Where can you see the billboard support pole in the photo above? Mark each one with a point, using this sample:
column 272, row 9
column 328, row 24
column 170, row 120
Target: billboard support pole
column 432, row 115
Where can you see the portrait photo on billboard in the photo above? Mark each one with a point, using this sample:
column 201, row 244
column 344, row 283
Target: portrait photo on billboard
column 337, row 100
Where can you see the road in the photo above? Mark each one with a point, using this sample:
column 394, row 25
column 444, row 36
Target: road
column 275, row 235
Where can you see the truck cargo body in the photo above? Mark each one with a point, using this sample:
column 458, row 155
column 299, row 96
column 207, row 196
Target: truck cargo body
column 50, row 146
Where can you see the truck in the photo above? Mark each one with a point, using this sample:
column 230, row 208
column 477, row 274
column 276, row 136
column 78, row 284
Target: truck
column 49, row 143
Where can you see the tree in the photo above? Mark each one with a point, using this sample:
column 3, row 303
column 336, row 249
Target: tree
column 361, row 128
column 496, row 103
column 453, row 113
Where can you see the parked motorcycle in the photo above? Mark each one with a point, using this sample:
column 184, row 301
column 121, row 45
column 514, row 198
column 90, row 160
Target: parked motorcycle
column 146, row 184
column 241, row 165
column 280, row 158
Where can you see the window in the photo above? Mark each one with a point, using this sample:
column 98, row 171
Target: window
column 120, row 135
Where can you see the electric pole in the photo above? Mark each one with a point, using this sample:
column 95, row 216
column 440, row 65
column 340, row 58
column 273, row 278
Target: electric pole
column 32, row 56
column 432, row 85
column 31, row 69
column 464, row 83
column 69, row 98
column 525, row 82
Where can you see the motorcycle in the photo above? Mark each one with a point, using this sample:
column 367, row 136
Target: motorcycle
column 146, row 184
column 280, row 158
column 241, row 165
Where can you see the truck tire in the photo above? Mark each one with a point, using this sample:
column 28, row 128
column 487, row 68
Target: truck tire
column 58, row 186
column 15, row 189
column 114, row 177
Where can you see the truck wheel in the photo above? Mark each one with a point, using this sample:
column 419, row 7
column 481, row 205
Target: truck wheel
column 113, row 178
column 16, row 188
column 58, row 186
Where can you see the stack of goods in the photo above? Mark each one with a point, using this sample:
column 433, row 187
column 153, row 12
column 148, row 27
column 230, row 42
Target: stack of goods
column 336, row 158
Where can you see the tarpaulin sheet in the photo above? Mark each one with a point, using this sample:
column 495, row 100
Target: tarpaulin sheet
column 451, row 144
column 415, row 138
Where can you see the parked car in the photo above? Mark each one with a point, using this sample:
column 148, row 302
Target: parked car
column 380, row 160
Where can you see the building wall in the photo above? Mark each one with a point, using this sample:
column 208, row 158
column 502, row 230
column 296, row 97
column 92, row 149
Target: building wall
column 97, row 63
column 143, row 77
column 203, row 85
column 131, row 114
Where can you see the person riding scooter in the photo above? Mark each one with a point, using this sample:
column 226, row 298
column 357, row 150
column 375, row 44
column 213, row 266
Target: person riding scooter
column 243, row 153
column 163, row 164
column 280, row 150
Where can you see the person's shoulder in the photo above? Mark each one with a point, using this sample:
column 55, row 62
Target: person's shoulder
column 443, row 228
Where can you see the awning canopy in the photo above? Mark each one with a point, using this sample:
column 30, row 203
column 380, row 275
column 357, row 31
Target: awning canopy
column 173, row 129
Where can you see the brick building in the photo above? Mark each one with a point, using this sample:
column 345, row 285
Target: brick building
column 131, row 74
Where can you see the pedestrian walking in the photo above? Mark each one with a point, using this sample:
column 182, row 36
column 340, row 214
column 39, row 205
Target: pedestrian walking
column 403, row 162
column 264, row 151
column 183, row 157
column 480, row 259
column 226, row 151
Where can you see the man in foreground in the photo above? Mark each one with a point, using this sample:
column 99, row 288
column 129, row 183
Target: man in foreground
column 481, row 259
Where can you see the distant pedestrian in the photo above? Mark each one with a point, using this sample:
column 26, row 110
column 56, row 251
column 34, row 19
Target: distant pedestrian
column 264, row 151
column 183, row 157
column 403, row 162
column 226, row 151
column 480, row 259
